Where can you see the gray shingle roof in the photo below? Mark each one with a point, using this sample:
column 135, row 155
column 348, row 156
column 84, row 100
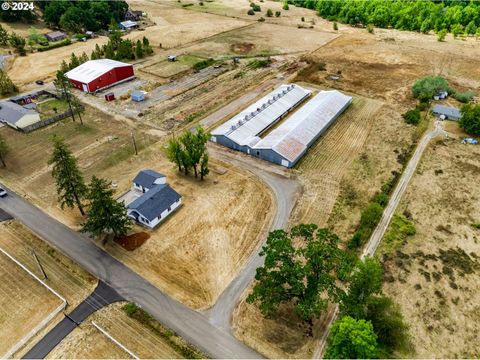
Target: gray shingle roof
column 151, row 204
column 11, row 112
column 450, row 112
column 147, row 177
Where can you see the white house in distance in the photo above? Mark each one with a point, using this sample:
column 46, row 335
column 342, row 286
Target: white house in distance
column 17, row 116
column 158, row 199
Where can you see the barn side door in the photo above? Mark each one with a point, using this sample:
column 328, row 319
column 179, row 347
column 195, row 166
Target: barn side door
column 85, row 87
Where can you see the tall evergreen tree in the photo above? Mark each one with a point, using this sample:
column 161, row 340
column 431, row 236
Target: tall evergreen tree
column 7, row 86
column 138, row 50
column 3, row 36
column 63, row 88
column 71, row 188
column 105, row 215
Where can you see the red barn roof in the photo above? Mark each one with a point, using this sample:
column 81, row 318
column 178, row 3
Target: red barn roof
column 92, row 69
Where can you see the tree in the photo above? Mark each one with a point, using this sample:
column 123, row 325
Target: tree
column 269, row 13
column 18, row 43
column 441, row 35
column 204, row 166
column 456, row 30
column 364, row 282
column 83, row 58
column 471, row 28
column 71, row 188
column 477, row 33
column 351, row 339
column 470, row 120
column 125, row 50
column 54, row 11
column 389, row 325
column 138, row 50
column 74, row 61
column 64, row 67
column 105, row 214
column 278, row 13
column 7, row 87
column 335, row 26
column 425, row 88
column 285, row 5
column 3, row 151
column 3, row 36
column 73, row 19
column 63, row 88
column 412, row 116
column 301, row 275
column 250, row 12
column 175, row 153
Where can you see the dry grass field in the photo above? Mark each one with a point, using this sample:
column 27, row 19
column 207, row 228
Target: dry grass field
column 433, row 274
column 24, row 303
column 32, row 301
column 87, row 342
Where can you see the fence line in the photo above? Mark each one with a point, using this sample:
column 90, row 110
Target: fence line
column 37, row 328
column 118, row 343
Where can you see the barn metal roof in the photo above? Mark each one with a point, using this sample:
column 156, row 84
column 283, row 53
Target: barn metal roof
column 90, row 70
column 293, row 136
column 244, row 127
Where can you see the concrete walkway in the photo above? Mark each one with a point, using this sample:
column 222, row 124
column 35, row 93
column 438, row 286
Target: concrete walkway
column 103, row 295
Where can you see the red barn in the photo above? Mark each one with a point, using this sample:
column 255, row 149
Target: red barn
column 96, row 75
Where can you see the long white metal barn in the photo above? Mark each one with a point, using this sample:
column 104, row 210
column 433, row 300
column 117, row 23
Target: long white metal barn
column 287, row 143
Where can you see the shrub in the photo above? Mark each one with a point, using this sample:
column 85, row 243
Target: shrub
column 425, row 88
column 55, row 45
column 303, row 19
column 335, row 25
column 277, row 13
column 464, row 97
column 257, row 8
column 269, row 13
column 261, row 19
column 203, row 64
column 130, row 309
column 412, row 116
column 470, row 120
column 370, row 28
column 251, row 12
column 285, row 6
column 441, row 35
column 422, row 106
column 355, row 241
column 381, row 199
column 371, row 216
column 256, row 64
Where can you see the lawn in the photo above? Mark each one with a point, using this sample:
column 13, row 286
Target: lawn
column 52, row 107
column 167, row 68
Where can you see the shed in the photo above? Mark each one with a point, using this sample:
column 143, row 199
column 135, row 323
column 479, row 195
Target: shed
column 128, row 25
column 447, row 112
column 172, row 58
column 96, row 75
column 133, row 15
column 138, row 95
column 471, row 141
column 55, row 36
column 110, row 96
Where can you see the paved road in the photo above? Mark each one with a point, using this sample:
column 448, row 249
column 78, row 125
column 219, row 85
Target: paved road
column 191, row 325
column 285, row 191
column 103, row 295
column 382, row 226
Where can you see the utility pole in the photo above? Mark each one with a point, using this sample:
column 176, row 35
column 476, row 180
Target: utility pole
column 39, row 264
column 134, row 144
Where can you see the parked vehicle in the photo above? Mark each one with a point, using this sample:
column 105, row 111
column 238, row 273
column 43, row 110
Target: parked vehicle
column 3, row 192
column 39, row 82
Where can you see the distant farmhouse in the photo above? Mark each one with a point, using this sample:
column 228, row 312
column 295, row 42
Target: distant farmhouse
column 133, row 15
column 97, row 75
column 287, row 143
column 55, row 36
column 447, row 112
column 158, row 199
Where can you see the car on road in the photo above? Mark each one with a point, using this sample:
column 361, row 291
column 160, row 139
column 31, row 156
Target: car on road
column 3, row 192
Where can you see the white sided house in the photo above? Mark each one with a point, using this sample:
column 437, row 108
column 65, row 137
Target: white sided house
column 158, row 199
column 17, row 116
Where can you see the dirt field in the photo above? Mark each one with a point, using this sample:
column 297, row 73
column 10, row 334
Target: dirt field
column 64, row 276
column 87, row 342
column 433, row 274
column 204, row 243
column 24, row 303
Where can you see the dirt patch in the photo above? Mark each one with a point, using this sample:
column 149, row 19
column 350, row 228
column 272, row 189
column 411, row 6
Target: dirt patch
column 242, row 48
column 132, row 242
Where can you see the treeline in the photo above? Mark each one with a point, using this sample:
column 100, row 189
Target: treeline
column 14, row 40
column 457, row 17
column 77, row 16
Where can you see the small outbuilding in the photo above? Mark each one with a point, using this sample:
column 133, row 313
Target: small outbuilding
column 133, row 15
column 110, row 96
column 470, row 141
column 55, row 36
column 172, row 58
column 128, row 25
column 156, row 203
column 138, row 96
column 447, row 112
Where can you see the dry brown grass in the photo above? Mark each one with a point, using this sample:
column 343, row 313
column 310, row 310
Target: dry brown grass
column 88, row 342
column 436, row 292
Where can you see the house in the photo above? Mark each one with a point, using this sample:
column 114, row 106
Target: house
column 138, row 96
column 133, row 15
column 96, row 75
column 55, row 36
column 128, row 25
column 447, row 112
column 158, row 199
column 16, row 116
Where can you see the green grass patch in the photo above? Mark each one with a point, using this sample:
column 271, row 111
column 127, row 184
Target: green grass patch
column 476, row 226
column 176, row 342
column 399, row 230
column 259, row 63
column 203, row 64
column 52, row 107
